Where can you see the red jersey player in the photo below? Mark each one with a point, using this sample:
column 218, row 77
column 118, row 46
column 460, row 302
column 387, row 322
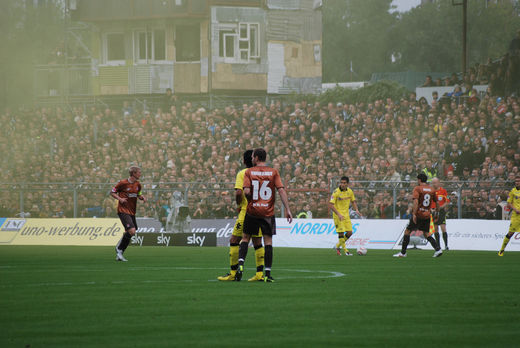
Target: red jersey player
column 260, row 183
column 127, row 192
column 423, row 197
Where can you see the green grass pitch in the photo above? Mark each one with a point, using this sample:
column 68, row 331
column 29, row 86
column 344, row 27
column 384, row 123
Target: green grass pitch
column 82, row 297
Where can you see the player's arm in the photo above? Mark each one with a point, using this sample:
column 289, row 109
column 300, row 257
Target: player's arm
column 239, row 185
column 247, row 193
column 140, row 194
column 435, row 203
column 247, row 185
column 332, row 207
column 355, row 206
column 238, row 198
column 285, row 201
column 115, row 194
column 510, row 204
column 512, row 207
column 447, row 202
column 414, row 209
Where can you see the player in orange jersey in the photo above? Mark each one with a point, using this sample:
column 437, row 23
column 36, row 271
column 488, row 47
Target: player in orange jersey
column 127, row 192
column 440, row 207
column 260, row 183
column 423, row 197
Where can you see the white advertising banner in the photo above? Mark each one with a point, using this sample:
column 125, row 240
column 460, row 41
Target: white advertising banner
column 469, row 234
column 321, row 233
column 464, row 234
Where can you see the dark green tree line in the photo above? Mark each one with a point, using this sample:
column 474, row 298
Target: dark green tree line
column 28, row 36
column 427, row 38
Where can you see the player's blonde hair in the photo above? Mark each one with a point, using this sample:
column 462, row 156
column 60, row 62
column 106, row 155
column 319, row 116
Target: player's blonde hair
column 133, row 169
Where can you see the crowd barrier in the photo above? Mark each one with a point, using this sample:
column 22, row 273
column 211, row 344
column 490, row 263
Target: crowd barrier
column 464, row 234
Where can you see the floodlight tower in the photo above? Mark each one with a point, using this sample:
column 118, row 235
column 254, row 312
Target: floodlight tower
column 464, row 4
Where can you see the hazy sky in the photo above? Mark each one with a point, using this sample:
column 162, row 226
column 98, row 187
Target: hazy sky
column 405, row 5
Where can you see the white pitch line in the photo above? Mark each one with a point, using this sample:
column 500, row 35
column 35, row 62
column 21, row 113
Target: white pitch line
column 326, row 274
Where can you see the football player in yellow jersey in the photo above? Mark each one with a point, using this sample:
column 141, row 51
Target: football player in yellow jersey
column 513, row 203
column 339, row 203
column 236, row 237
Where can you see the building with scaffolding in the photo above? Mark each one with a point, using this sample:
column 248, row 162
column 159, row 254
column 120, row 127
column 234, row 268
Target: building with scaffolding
column 194, row 47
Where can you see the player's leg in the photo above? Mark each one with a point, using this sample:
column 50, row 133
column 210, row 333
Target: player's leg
column 444, row 236
column 268, row 244
column 348, row 234
column 442, row 223
column 437, row 234
column 406, row 238
column 406, row 241
column 340, row 242
column 130, row 226
column 424, row 226
column 234, row 243
column 251, row 227
column 242, row 253
column 343, row 227
column 268, row 230
column 506, row 241
column 339, row 231
column 259, row 258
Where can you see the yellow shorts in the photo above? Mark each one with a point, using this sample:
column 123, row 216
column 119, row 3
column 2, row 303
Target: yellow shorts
column 238, row 230
column 515, row 224
column 342, row 226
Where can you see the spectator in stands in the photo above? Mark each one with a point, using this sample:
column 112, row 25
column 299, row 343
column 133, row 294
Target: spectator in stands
column 454, row 79
column 428, row 82
column 173, row 146
column 430, row 170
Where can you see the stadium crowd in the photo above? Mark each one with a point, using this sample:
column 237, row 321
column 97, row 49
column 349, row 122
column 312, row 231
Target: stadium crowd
column 467, row 139
column 463, row 140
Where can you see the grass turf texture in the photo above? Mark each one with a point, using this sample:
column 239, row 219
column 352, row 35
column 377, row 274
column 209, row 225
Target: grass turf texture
column 80, row 296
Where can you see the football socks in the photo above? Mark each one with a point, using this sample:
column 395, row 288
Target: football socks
column 433, row 243
column 268, row 259
column 242, row 252
column 124, row 241
column 233, row 255
column 504, row 243
column 437, row 237
column 445, row 237
column 259, row 258
column 406, row 240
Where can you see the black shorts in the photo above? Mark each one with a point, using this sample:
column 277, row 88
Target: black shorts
column 253, row 223
column 441, row 220
column 128, row 221
column 421, row 225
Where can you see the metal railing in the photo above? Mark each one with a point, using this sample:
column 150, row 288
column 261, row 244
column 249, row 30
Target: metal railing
column 376, row 199
column 63, row 80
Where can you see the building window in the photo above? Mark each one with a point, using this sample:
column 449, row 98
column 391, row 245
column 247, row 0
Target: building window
column 114, row 47
column 150, row 45
column 144, row 46
column 227, row 38
column 159, row 45
column 239, row 42
column 187, row 43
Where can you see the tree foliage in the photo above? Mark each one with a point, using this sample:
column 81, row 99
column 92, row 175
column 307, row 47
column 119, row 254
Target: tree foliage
column 368, row 94
column 28, row 36
column 352, row 32
column 427, row 38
